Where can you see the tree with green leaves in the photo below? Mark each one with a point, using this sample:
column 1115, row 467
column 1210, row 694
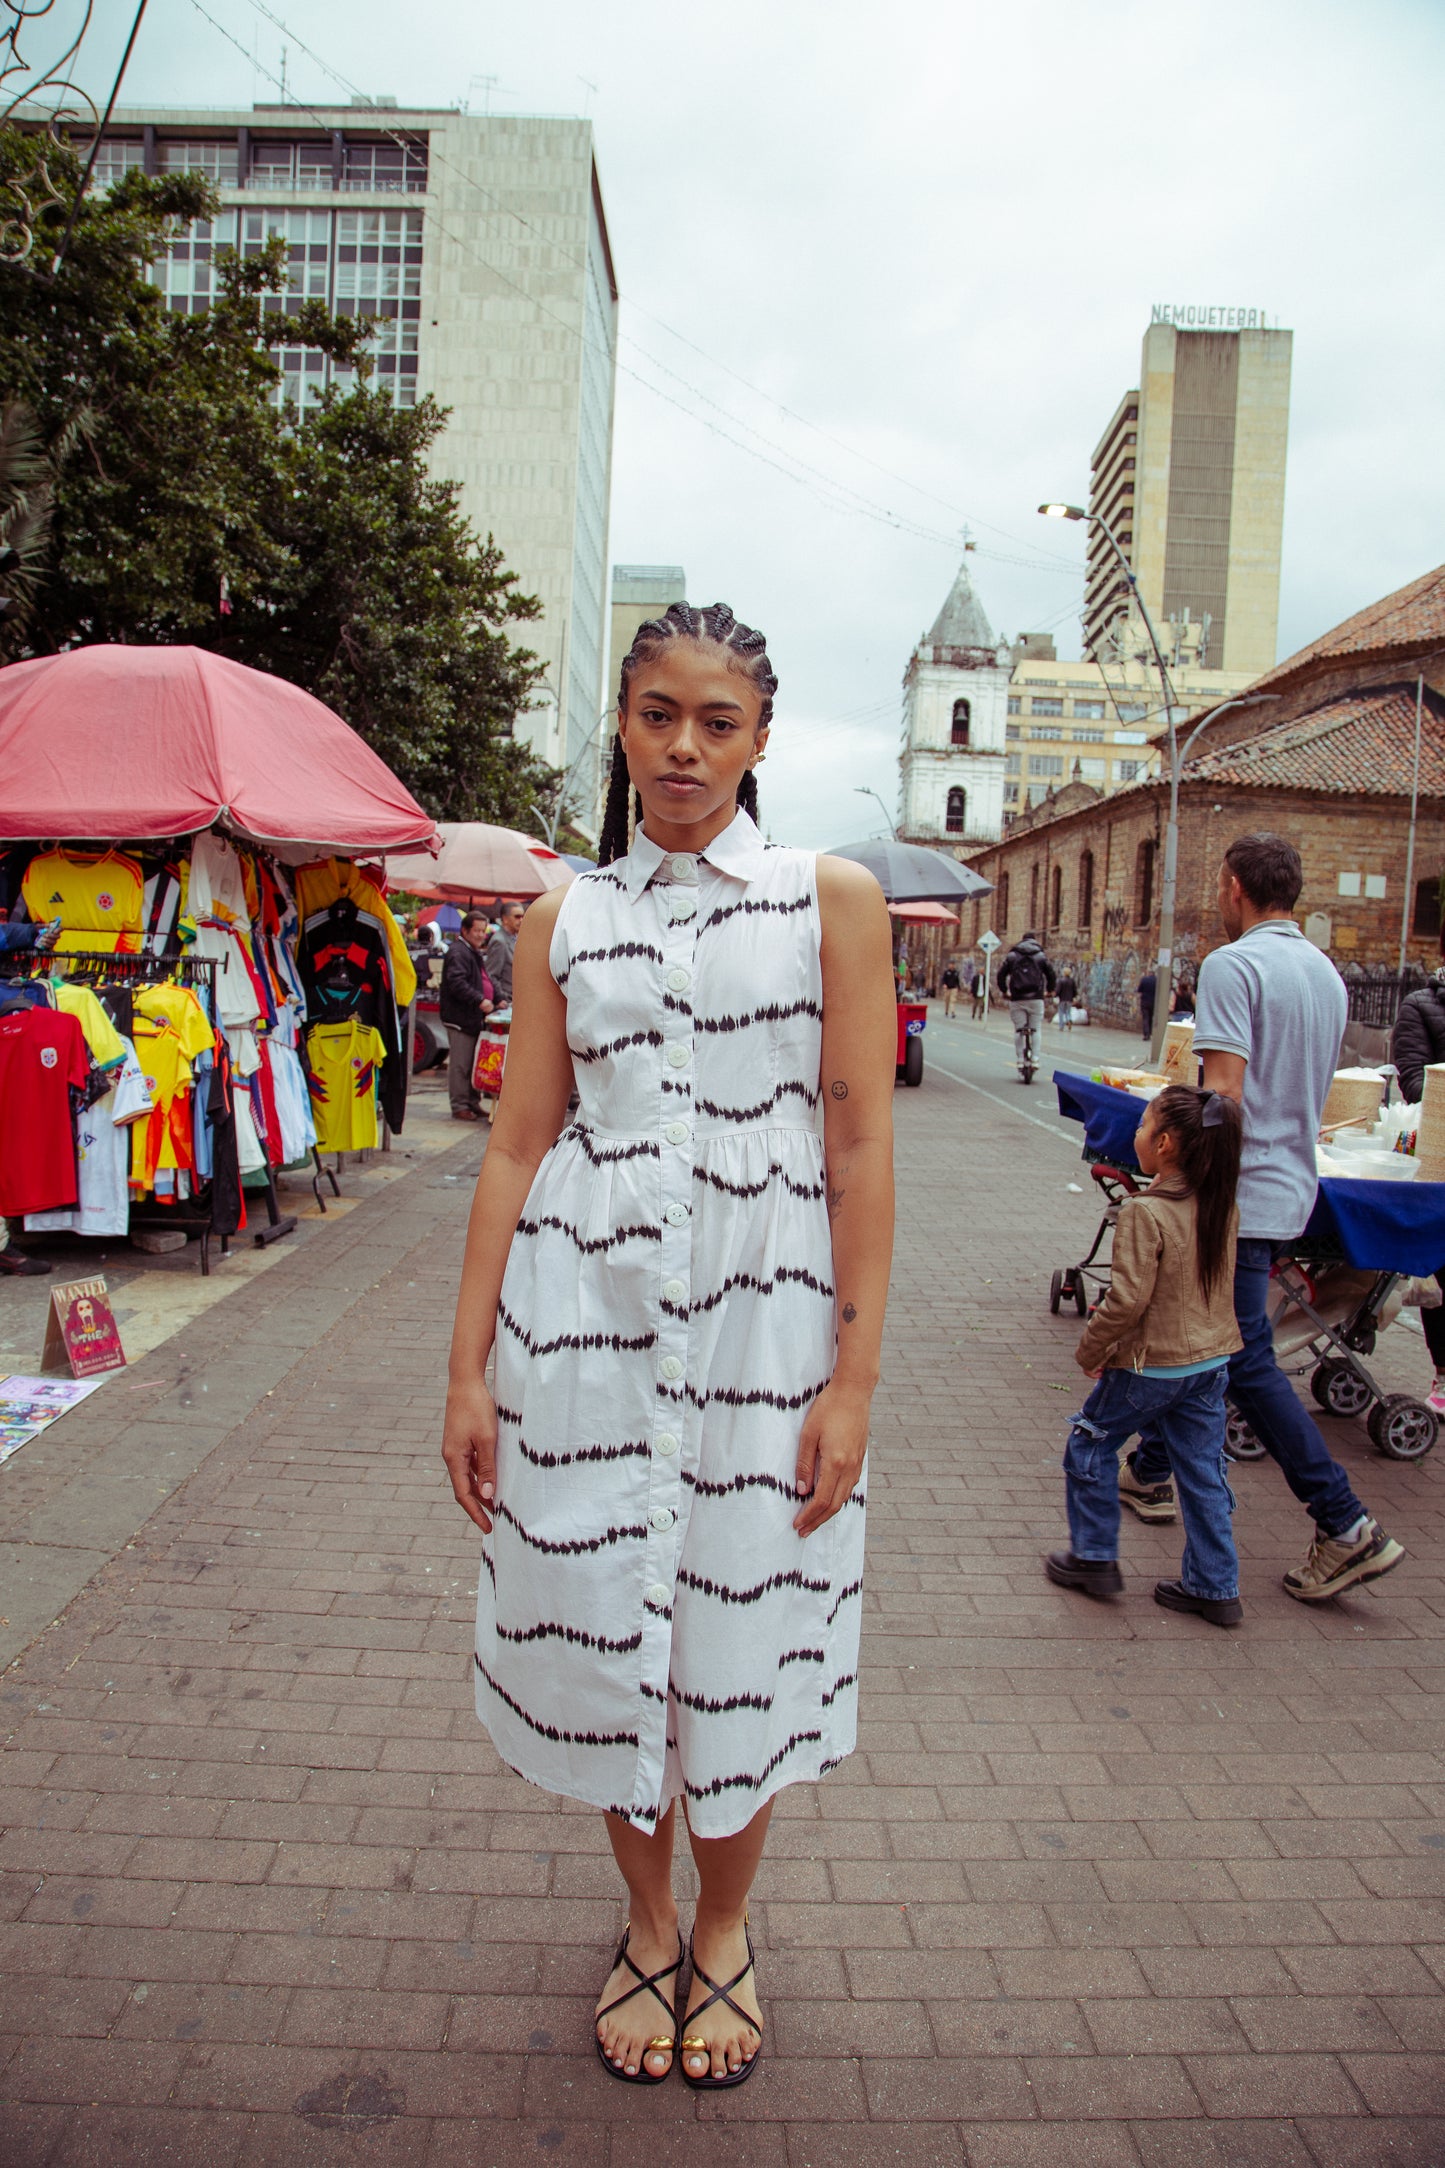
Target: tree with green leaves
column 157, row 478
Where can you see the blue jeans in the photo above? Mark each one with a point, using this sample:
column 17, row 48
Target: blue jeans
column 1267, row 1401
column 1187, row 1416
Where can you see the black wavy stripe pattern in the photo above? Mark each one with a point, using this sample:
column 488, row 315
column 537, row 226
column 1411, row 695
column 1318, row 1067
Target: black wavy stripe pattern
column 755, row 1396
column 585, row 1455
column 747, row 1780
column 845, row 1595
column 776, row 1012
column 750, row 909
column 552, row 1731
column 569, row 1546
column 794, row 1577
column 589, row 1245
column 810, row 1192
column 609, row 1047
column 736, row 1484
column 548, row 1630
column 783, row 1276
column 619, row 952
column 618, row 1342
column 790, row 1088
column 608, row 1154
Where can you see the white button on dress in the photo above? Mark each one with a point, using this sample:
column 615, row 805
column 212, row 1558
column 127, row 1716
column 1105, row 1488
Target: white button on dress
column 650, row 1625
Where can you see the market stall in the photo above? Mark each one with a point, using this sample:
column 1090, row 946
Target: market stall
column 225, row 991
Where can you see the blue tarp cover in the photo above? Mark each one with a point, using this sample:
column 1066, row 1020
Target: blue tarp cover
column 1378, row 1226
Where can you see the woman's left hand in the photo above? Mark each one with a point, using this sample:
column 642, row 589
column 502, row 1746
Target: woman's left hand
column 831, row 1453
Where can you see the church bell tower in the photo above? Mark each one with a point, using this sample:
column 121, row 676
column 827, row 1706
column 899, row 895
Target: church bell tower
column 955, row 709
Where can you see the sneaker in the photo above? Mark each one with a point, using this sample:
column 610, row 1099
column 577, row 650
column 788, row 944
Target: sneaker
column 1095, row 1576
column 1435, row 1398
column 1219, row 1610
column 1333, row 1565
column 1151, row 1501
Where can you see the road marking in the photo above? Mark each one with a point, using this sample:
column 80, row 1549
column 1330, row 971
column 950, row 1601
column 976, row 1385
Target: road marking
column 932, row 1062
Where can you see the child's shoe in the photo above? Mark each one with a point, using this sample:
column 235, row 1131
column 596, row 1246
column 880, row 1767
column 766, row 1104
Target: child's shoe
column 1219, row 1610
column 1094, row 1576
column 1151, row 1501
column 1435, row 1398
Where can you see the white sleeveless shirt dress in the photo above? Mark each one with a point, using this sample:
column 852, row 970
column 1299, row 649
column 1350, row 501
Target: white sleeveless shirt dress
column 649, row 1624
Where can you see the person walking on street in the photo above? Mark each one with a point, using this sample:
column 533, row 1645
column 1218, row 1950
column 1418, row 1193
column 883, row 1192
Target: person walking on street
column 685, row 1287
column 1067, row 990
column 1159, row 1344
column 980, row 989
column 1145, row 991
column 467, row 999
column 500, row 951
column 950, row 986
column 1269, row 1022
column 1024, row 977
column 1417, row 1041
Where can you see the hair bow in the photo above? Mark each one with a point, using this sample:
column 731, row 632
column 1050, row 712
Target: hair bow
column 1213, row 1115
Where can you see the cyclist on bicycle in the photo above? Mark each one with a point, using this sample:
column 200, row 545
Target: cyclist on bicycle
column 1024, row 977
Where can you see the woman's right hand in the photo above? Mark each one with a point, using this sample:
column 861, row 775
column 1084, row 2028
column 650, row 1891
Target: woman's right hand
column 469, row 1448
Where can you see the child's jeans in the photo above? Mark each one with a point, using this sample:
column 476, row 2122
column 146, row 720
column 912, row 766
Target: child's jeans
column 1187, row 1417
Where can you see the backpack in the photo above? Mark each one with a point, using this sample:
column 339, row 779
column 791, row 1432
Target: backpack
column 1026, row 981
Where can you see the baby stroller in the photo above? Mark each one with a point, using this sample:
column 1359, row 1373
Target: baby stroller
column 1334, row 1291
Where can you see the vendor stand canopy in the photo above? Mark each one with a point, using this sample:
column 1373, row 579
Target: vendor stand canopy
column 138, row 742
column 478, row 862
column 911, row 873
column 923, row 914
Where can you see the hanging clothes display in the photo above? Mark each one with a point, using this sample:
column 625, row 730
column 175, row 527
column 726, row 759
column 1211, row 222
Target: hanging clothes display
column 354, row 964
column 98, row 896
column 44, row 1061
column 103, row 1148
column 342, row 1060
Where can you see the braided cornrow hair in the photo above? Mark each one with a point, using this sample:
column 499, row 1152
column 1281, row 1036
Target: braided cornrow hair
column 682, row 622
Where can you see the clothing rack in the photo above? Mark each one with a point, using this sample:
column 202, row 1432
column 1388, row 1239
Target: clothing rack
column 100, row 967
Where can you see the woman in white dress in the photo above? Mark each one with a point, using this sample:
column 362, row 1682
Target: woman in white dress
column 685, row 1288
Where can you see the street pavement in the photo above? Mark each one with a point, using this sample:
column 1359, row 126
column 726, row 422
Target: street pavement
column 1103, row 1887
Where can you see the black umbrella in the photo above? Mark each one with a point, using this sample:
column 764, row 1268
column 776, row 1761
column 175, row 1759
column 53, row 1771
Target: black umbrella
column 911, row 873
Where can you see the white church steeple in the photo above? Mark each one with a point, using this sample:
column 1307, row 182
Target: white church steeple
column 955, row 709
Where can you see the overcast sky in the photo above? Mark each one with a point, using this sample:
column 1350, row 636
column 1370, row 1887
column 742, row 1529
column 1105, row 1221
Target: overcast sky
column 933, row 231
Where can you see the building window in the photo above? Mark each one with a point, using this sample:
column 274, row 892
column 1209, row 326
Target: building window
column 1049, row 732
column 1015, row 705
column 1089, row 737
column 1046, row 706
column 273, row 165
column 1046, row 764
column 1034, row 893
column 1091, row 771
column 954, row 817
column 114, row 158
column 1089, row 711
column 216, row 160
column 1056, row 896
column 1014, row 764
column 1003, row 899
column 1128, row 771
column 1427, row 908
column 399, row 168
column 1132, row 712
column 960, row 722
column 1086, row 888
column 1144, row 883
column 1012, row 732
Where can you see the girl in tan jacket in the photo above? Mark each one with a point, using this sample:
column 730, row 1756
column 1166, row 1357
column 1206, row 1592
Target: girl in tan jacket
column 1159, row 1345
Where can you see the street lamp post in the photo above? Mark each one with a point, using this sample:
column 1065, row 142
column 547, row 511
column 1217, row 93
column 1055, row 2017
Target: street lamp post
column 864, row 792
column 1164, row 969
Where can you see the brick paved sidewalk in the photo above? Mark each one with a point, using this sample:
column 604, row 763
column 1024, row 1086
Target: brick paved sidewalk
column 1102, row 1885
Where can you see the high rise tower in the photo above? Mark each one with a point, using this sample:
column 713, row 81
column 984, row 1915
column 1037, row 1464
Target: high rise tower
column 1190, row 475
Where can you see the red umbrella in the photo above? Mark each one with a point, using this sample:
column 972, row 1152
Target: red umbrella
column 477, row 859
column 134, row 742
column 923, row 914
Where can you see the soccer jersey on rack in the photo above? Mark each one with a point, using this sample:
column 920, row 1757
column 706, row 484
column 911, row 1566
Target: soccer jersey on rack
column 42, row 1055
column 342, row 1062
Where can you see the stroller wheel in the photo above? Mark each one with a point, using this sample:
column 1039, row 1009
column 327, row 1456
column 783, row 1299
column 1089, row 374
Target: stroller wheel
column 1056, row 1292
column 1081, row 1295
column 1240, row 1442
column 1339, row 1387
column 1402, row 1428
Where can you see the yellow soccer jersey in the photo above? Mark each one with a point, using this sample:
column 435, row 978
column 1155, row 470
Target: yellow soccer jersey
column 98, row 896
column 342, row 1061
column 107, row 1047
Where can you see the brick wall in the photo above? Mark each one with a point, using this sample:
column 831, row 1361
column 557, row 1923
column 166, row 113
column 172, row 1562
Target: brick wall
column 1112, row 935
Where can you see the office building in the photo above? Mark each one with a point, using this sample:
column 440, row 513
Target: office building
column 1190, row 476
column 639, row 593
column 481, row 246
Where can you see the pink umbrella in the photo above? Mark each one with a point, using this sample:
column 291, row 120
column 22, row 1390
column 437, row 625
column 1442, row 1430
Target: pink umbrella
column 923, row 914
column 478, row 861
column 136, row 742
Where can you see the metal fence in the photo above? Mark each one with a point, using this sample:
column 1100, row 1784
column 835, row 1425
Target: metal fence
column 1375, row 994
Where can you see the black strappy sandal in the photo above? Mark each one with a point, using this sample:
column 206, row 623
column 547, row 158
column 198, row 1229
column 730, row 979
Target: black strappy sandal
column 642, row 2075
column 693, row 2044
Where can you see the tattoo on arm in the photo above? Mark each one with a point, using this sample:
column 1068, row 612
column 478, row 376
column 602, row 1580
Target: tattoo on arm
column 835, row 1202
column 849, row 1313
column 839, row 1090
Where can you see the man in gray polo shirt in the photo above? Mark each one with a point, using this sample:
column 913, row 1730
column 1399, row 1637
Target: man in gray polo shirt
column 1269, row 1019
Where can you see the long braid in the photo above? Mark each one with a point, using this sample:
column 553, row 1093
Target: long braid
column 746, row 649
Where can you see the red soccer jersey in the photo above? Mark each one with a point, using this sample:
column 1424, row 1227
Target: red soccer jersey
column 42, row 1053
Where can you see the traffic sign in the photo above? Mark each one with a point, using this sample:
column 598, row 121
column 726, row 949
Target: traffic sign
column 989, row 941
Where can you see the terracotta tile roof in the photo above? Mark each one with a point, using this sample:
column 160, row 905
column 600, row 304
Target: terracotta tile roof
column 1361, row 745
column 1413, row 618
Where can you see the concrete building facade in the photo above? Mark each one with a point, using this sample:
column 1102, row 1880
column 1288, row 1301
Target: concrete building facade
column 639, row 592
column 1190, row 474
column 481, row 246
column 1329, row 761
column 955, row 707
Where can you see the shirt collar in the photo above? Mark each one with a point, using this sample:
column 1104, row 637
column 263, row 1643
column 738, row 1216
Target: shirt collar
column 1273, row 925
column 738, row 851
